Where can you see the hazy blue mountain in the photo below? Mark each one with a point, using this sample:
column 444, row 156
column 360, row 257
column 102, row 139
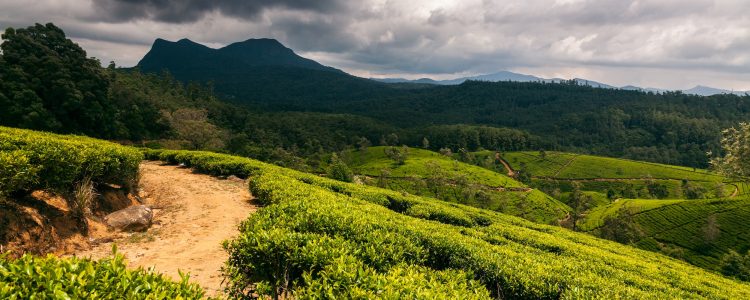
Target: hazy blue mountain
column 511, row 76
column 708, row 91
column 494, row 77
column 592, row 83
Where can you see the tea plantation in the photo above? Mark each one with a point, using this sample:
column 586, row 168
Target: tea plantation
column 318, row 236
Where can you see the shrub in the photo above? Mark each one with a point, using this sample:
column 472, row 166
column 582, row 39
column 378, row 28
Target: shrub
column 321, row 238
column 31, row 277
column 32, row 160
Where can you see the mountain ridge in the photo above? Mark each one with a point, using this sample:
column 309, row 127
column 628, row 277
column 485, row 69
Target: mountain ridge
column 700, row 90
column 250, row 53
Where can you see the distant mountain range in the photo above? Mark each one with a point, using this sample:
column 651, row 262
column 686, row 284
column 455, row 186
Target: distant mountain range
column 510, row 76
column 259, row 64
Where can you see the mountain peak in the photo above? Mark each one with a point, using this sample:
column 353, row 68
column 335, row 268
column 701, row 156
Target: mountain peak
column 246, row 54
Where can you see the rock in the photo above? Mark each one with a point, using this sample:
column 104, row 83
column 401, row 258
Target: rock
column 235, row 178
column 134, row 218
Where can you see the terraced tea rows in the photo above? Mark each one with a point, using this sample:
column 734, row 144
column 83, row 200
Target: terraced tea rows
column 320, row 236
column 435, row 175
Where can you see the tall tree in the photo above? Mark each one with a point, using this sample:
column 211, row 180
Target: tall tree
column 48, row 83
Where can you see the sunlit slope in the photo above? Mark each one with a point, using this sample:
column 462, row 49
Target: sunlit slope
column 432, row 174
column 621, row 178
column 319, row 236
column 577, row 166
column 683, row 228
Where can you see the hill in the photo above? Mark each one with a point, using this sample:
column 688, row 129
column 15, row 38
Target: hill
column 271, row 90
column 349, row 240
column 352, row 240
column 701, row 232
column 674, row 219
column 427, row 173
column 617, row 178
column 262, row 72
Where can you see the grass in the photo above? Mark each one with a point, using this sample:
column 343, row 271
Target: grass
column 595, row 217
column 563, row 165
column 431, row 174
column 677, row 227
column 372, row 161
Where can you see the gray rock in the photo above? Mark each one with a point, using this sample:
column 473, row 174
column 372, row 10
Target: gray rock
column 134, row 218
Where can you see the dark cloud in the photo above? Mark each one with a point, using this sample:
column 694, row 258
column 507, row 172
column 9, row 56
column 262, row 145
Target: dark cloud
column 181, row 11
column 663, row 43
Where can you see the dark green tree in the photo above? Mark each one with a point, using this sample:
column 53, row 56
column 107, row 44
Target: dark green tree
column 48, row 83
column 338, row 170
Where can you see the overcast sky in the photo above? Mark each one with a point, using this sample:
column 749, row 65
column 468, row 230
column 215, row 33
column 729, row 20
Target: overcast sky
column 673, row 44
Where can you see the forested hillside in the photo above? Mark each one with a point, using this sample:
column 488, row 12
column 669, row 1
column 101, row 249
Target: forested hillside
column 671, row 127
column 289, row 108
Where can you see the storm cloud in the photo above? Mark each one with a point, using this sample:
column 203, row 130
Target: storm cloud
column 180, row 11
column 655, row 43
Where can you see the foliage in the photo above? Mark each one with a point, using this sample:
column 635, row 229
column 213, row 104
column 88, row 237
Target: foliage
column 338, row 170
column 39, row 160
column 317, row 236
column 397, row 155
column 431, row 174
column 192, row 126
column 735, row 144
column 736, row 265
column 48, row 83
column 621, row 228
column 30, row 277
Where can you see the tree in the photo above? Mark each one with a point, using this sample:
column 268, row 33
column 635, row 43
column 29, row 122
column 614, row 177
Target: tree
column 383, row 178
column 446, row 152
column 580, row 203
column 391, row 139
column 48, row 83
column 736, row 265
column 363, row 143
column 399, row 156
column 192, row 126
column 621, row 227
column 338, row 170
column 692, row 191
column 657, row 190
column 711, row 230
column 523, row 174
column 735, row 143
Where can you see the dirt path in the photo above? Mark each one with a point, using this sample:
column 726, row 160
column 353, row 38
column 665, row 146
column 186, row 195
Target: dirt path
column 565, row 165
column 499, row 158
column 193, row 214
column 736, row 191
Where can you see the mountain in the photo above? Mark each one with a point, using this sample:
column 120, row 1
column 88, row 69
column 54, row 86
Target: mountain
column 708, row 91
column 186, row 54
column 259, row 71
column 494, row 77
column 511, row 76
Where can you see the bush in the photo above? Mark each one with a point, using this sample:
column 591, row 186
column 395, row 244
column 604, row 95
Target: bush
column 339, row 170
column 32, row 160
column 322, row 238
column 31, row 277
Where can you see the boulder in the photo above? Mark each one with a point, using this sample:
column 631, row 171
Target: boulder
column 134, row 218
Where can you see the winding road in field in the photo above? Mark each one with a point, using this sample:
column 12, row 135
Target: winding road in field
column 193, row 214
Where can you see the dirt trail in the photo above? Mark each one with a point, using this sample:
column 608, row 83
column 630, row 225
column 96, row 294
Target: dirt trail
column 565, row 165
column 499, row 158
column 193, row 214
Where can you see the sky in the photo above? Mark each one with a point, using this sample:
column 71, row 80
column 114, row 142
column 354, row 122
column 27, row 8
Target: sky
column 673, row 44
